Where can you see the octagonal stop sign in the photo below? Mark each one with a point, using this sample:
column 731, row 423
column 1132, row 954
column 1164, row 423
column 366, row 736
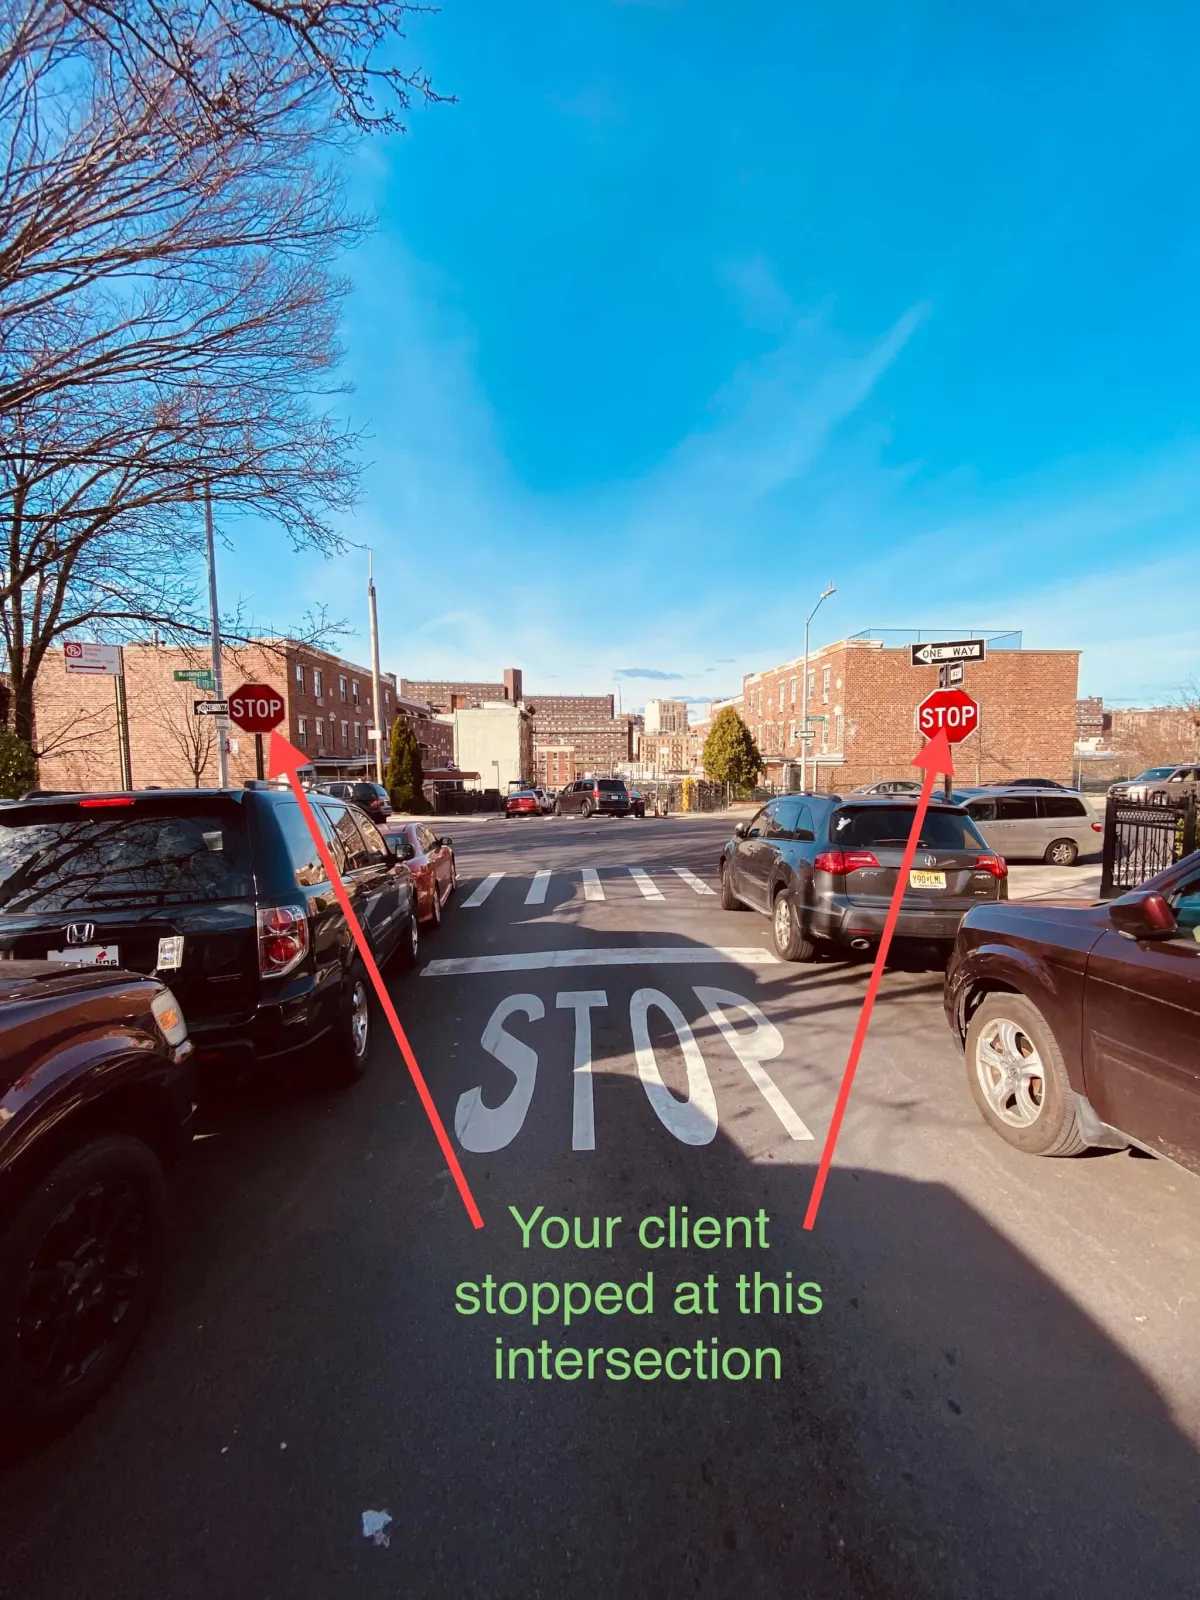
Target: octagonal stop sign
column 256, row 707
column 949, row 711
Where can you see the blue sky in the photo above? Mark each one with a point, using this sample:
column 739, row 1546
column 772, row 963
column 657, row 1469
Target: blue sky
column 684, row 309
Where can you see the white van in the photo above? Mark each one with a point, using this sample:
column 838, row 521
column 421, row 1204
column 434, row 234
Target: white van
column 1051, row 825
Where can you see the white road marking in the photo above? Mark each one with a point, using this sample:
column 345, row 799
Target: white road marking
column 583, row 1114
column 694, row 1120
column 486, row 1128
column 537, row 889
column 484, row 889
column 692, row 881
column 670, row 955
column 645, row 883
column 592, row 887
column 752, row 1049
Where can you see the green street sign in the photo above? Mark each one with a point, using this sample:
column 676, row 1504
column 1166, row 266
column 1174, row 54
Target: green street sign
column 200, row 676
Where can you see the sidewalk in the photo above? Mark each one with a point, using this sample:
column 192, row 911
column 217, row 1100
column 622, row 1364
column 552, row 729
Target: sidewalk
column 1080, row 883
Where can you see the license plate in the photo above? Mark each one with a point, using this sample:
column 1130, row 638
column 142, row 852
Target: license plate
column 87, row 955
column 927, row 880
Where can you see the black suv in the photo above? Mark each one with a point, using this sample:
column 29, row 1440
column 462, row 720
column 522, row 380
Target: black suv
column 220, row 892
column 372, row 798
column 589, row 797
column 824, row 870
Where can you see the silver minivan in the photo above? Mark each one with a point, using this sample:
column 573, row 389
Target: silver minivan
column 1051, row 825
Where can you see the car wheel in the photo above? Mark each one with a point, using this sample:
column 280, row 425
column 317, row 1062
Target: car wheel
column 786, row 932
column 349, row 1046
column 1062, row 853
column 410, row 942
column 585, row 809
column 1018, row 1078
column 729, row 901
column 80, row 1265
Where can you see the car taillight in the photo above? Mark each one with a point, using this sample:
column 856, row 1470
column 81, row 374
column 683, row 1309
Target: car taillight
column 113, row 800
column 282, row 939
column 839, row 862
column 1097, row 827
column 996, row 865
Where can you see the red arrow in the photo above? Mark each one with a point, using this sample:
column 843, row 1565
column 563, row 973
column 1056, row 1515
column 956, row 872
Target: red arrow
column 935, row 758
column 285, row 758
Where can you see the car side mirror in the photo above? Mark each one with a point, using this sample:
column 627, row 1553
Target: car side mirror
column 447, row 842
column 741, row 829
column 1144, row 914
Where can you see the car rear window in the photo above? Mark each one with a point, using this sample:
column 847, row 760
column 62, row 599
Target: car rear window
column 71, row 858
column 611, row 786
column 890, row 825
column 1062, row 806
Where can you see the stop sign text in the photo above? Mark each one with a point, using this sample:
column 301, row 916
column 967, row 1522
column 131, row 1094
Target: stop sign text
column 948, row 711
column 256, row 707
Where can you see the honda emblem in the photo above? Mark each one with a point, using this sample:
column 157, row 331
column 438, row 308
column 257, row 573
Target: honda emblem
column 80, row 932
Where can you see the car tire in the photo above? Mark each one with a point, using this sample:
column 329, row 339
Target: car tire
column 558, row 810
column 787, row 935
column 409, row 947
column 585, row 810
column 729, row 901
column 1034, row 1111
column 1062, row 853
column 348, row 1048
column 42, row 1229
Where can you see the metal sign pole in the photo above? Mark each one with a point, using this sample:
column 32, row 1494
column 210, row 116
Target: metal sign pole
column 215, row 626
column 123, row 726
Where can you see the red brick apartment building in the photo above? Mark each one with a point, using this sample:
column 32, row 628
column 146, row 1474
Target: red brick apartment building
column 329, row 710
column 862, row 700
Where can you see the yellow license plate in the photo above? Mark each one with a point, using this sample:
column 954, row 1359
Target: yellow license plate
column 927, row 880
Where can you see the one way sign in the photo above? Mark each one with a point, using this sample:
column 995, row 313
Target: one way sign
column 929, row 655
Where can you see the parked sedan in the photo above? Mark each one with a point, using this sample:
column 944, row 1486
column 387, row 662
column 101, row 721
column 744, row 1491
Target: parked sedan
column 1081, row 1024
column 523, row 803
column 430, row 862
column 890, row 786
column 824, row 870
column 637, row 803
column 95, row 1101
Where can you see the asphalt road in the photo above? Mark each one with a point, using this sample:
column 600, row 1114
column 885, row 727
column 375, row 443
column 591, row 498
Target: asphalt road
column 999, row 1397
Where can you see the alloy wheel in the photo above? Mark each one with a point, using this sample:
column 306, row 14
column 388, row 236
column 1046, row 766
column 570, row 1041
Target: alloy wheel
column 1010, row 1073
column 360, row 1019
column 783, row 920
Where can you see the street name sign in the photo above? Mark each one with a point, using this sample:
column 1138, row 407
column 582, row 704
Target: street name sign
column 930, row 655
column 210, row 708
column 949, row 711
column 93, row 660
column 951, row 673
column 201, row 676
column 256, row 707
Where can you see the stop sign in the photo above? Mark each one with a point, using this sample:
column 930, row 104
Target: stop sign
column 256, row 707
column 948, row 711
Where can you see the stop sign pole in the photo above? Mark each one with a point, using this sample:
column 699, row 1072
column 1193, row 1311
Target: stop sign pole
column 952, row 712
column 257, row 708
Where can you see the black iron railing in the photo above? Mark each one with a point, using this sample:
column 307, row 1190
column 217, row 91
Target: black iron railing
column 1142, row 837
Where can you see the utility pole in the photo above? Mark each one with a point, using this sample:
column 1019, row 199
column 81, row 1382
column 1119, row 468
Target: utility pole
column 123, row 727
column 214, row 622
column 376, row 691
column 804, row 730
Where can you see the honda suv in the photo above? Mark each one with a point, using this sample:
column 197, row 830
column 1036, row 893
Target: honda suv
column 222, row 894
column 824, row 870
column 589, row 797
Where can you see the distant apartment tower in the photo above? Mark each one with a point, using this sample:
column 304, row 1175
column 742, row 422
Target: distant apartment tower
column 462, row 696
column 666, row 716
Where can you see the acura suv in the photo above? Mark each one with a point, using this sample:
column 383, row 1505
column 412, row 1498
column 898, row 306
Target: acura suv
column 824, row 870
column 220, row 893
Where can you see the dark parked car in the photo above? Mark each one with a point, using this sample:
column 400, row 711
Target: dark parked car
column 637, row 803
column 589, row 797
column 372, row 798
column 222, row 893
column 1081, row 1024
column 429, row 858
column 890, row 786
column 95, row 1101
column 824, row 870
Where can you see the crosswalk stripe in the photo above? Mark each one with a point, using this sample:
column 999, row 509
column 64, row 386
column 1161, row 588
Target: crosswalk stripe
column 645, row 883
column 692, row 881
column 671, row 955
column 484, row 889
column 538, row 887
column 593, row 889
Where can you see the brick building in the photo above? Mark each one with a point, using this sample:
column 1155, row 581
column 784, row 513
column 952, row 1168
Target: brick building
column 448, row 697
column 666, row 716
column 329, row 713
column 670, row 752
column 555, row 765
column 862, row 701
column 435, row 734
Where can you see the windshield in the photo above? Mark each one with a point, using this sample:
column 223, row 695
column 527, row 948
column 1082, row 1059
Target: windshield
column 1154, row 772
column 87, row 859
column 890, row 825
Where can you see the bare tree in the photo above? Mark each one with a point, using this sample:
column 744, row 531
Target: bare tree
column 184, row 735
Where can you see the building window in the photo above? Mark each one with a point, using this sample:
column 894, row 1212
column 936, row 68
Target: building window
column 837, row 731
column 300, row 677
column 781, row 689
column 342, row 689
column 357, row 738
column 320, row 736
column 317, row 682
column 302, row 731
column 345, row 735
column 354, row 690
column 825, row 672
column 387, row 698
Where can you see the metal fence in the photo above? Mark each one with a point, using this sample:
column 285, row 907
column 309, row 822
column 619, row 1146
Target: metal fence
column 685, row 794
column 1142, row 837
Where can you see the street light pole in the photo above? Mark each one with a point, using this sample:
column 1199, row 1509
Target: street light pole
column 804, row 692
column 376, row 691
column 214, row 622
